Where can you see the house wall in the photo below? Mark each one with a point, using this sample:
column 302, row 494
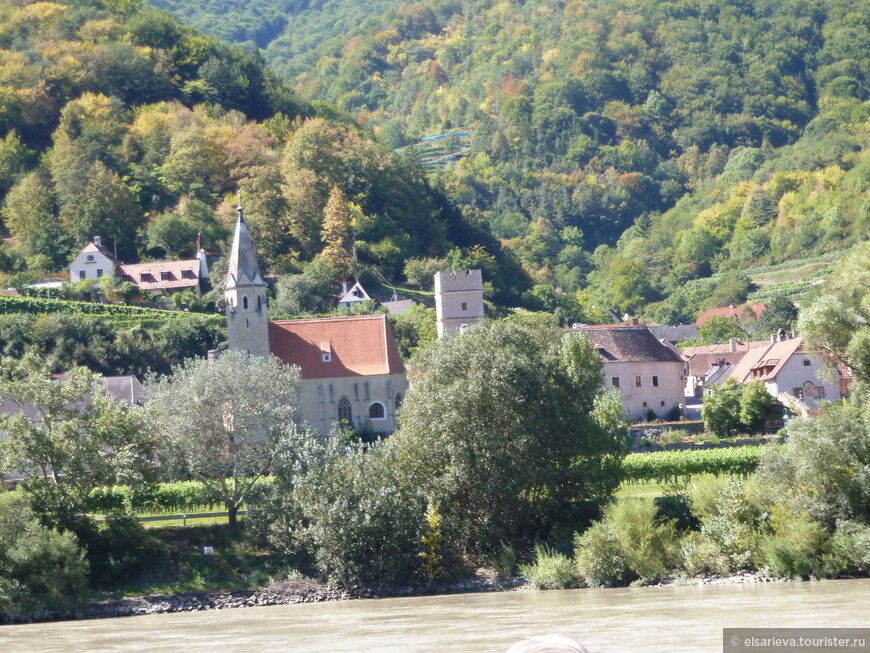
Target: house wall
column 458, row 299
column 636, row 400
column 796, row 374
column 319, row 399
column 82, row 264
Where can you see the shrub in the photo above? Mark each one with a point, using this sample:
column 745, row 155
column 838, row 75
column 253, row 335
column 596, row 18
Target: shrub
column 41, row 570
column 599, row 557
column 798, row 547
column 551, row 570
column 850, row 546
column 504, row 560
column 631, row 542
column 731, row 523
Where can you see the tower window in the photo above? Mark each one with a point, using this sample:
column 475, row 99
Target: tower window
column 245, row 303
column 464, row 306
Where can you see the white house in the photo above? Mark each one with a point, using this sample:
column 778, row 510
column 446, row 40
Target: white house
column 789, row 370
column 649, row 375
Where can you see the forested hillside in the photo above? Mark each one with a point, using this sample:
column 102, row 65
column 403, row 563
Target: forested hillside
column 119, row 121
column 692, row 138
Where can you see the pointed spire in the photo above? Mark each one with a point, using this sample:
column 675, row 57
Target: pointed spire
column 243, row 269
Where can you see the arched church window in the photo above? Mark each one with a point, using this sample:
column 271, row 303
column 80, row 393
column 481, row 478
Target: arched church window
column 259, row 302
column 376, row 410
column 344, row 411
column 245, row 303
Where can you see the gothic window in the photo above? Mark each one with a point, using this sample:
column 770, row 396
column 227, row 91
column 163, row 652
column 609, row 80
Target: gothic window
column 344, row 411
column 259, row 302
column 245, row 303
column 376, row 410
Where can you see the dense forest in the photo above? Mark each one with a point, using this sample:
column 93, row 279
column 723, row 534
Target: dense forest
column 621, row 157
column 692, row 139
column 121, row 122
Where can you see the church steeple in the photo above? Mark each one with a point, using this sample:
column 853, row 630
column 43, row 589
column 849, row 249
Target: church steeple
column 245, row 295
column 243, row 269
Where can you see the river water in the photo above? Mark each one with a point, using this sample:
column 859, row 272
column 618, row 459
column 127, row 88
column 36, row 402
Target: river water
column 668, row 619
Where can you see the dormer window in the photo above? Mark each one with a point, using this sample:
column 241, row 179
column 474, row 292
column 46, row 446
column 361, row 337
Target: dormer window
column 165, row 275
column 326, row 357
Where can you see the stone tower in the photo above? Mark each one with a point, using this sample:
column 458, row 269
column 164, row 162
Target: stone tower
column 458, row 300
column 245, row 295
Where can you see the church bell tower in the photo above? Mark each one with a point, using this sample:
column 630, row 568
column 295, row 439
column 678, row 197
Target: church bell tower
column 245, row 295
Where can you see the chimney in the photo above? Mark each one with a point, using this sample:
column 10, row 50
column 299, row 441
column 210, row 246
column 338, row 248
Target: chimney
column 343, row 288
column 732, row 345
column 721, row 362
column 634, row 321
column 98, row 241
column 772, row 338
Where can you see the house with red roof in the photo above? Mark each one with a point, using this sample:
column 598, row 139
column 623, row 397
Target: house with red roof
column 790, row 372
column 350, row 366
column 732, row 311
column 158, row 277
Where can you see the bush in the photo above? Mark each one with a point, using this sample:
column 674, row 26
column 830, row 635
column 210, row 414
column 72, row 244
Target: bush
column 41, row 570
column 798, row 547
column 345, row 512
column 551, row 570
column 731, row 523
column 599, row 557
column 631, row 543
column 850, row 546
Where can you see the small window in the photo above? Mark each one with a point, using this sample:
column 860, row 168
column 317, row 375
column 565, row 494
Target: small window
column 81, row 274
column 326, row 357
column 464, row 306
column 637, row 383
column 644, row 404
column 245, row 303
column 820, row 392
column 806, row 362
column 164, row 275
column 798, row 392
column 344, row 411
column 655, row 382
column 614, row 381
column 90, row 258
column 99, row 273
column 376, row 411
column 662, row 403
column 259, row 302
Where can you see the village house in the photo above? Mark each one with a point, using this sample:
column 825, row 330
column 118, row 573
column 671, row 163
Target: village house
column 350, row 366
column 752, row 311
column 712, row 364
column 790, row 372
column 648, row 374
column 159, row 277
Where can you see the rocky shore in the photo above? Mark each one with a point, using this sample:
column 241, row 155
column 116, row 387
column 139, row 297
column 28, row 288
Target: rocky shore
column 309, row 591
column 290, row 592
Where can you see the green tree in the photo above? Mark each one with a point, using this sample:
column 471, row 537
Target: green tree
column 521, row 435
column 175, row 235
column 29, row 213
column 68, row 436
column 757, row 406
column 720, row 329
column 779, row 313
column 721, row 410
column 223, row 422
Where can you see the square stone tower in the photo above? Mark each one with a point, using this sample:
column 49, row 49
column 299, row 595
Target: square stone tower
column 458, row 300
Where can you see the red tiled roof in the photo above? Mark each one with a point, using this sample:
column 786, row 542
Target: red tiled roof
column 730, row 311
column 149, row 276
column 360, row 345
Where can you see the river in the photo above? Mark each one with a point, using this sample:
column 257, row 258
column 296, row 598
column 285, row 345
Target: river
column 669, row 619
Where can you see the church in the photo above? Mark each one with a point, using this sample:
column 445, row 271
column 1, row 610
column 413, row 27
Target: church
column 351, row 368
